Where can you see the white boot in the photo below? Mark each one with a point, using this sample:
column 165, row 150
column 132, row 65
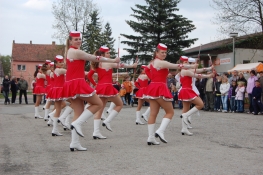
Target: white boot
column 96, row 133
column 55, row 127
column 151, row 139
column 103, row 116
column 145, row 115
column 160, row 132
column 86, row 106
column 51, row 114
column 187, row 114
column 106, row 122
column 50, row 122
column 112, row 105
column 37, row 113
column 69, row 119
column 46, row 114
column 44, row 107
column 189, row 119
column 185, row 130
column 138, row 118
column 62, row 117
column 86, row 114
column 75, row 142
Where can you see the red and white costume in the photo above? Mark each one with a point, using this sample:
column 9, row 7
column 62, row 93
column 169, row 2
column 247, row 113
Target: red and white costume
column 75, row 84
column 56, row 93
column 40, row 85
column 141, row 85
column 158, row 88
column 104, row 88
column 187, row 92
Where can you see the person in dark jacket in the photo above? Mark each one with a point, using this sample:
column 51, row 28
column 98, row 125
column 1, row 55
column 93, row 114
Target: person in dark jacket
column 14, row 89
column 6, row 87
column 218, row 93
column 23, row 86
column 232, row 96
column 256, row 96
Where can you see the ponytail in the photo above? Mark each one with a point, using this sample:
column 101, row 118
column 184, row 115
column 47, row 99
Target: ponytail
column 95, row 65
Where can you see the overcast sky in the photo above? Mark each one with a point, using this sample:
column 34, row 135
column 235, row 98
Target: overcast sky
column 25, row 20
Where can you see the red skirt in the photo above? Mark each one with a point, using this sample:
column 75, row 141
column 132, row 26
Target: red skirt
column 186, row 94
column 77, row 87
column 140, row 93
column 106, row 90
column 157, row 90
column 48, row 88
column 39, row 90
column 56, row 94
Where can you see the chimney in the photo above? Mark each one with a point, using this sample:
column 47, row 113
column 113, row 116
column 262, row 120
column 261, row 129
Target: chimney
column 13, row 41
column 30, row 42
column 53, row 43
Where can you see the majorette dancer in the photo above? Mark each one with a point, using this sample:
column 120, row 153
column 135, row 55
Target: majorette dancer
column 75, row 87
column 105, row 89
column 39, row 90
column 51, row 76
column 177, row 77
column 141, row 83
column 47, row 73
column 158, row 93
column 187, row 94
column 56, row 93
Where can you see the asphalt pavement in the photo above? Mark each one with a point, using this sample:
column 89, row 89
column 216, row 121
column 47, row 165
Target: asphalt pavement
column 222, row 144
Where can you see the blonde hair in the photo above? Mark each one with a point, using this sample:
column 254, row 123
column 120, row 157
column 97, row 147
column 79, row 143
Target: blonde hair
column 241, row 83
column 224, row 79
column 67, row 46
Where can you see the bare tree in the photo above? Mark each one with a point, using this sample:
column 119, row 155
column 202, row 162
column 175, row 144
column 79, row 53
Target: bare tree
column 71, row 15
column 242, row 16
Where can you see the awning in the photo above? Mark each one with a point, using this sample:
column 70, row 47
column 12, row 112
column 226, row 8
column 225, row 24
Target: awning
column 258, row 67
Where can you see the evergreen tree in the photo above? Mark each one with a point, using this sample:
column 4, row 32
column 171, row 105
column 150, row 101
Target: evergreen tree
column 157, row 22
column 92, row 37
column 108, row 40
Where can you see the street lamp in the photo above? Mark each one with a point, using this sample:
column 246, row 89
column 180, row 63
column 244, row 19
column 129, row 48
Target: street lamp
column 234, row 35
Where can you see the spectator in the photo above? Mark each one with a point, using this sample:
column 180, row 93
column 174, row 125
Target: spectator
column 242, row 78
column 234, row 76
column 122, row 94
column 261, row 83
column 256, row 96
column 200, row 86
column 218, row 93
column 128, row 87
column 178, row 86
column 209, row 86
column 250, row 85
column 174, row 93
column 132, row 92
column 14, row 89
column 224, row 88
column 116, row 84
column 240, row 96
column 232, row 96
column 6, row 86
column 23, row 86
column 170, row 81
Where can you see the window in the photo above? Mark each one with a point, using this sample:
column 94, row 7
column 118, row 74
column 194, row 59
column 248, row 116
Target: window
column 21, row 67
column 260, row 61
column 246, row 61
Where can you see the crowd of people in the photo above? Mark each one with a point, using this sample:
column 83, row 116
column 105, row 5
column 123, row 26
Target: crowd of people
column 77, row 97
column 14, row 86
column 226, row 92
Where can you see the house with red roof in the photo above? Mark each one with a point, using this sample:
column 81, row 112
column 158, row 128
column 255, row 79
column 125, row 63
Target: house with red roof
column 26, row 57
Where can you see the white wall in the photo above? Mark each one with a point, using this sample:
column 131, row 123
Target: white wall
column 253, row 55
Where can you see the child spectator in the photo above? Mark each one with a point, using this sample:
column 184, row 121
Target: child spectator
column 224, row 88
column 240, row 96
column 174, row 93
column 256, row 96
column 122, row 94
column 232, row 96
column 218, row 93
